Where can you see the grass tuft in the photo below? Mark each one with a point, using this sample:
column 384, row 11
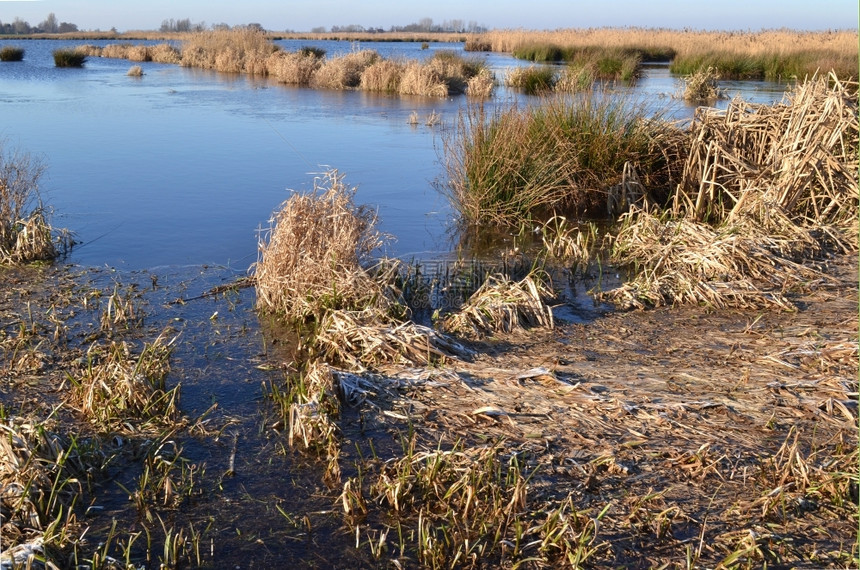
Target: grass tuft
column 25, row 233
column 69, row 58
column 11, row 53
column 312, row 257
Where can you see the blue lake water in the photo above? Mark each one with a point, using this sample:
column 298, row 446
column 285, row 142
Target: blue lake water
column 181, row 166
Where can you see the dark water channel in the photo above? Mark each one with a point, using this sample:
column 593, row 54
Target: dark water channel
column 164, row 180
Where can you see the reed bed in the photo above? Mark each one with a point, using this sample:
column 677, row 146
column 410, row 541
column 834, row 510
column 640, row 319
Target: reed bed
column 503, row 305
column 312, row 258
column 251, row 51
column 774, row 54
column 344, row 72
column 296, row 68
column 559, row 157
column 239, row 50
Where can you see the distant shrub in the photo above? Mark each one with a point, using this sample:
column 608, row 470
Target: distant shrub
column 11, row 53
column 135, row 71
column 317, row 52
column 69, row 58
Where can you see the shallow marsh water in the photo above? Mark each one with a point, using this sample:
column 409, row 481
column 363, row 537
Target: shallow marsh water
column 164, row 180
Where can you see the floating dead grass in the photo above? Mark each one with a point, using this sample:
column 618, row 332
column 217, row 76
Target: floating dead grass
column 311, row 259
column 503, row 305
column 702, row 86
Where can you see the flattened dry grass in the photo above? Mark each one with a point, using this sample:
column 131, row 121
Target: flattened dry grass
column 312, row 258
column 765, row 190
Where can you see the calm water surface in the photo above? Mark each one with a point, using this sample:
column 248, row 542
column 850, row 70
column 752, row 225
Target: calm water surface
column 181, row 166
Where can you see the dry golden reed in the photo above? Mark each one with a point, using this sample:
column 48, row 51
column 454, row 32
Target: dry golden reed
column 764, row 190
column 311, row 259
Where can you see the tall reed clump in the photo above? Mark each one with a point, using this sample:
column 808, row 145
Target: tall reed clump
column 557, row 157
column 238, row 50
column 25, row 233
column 312, row 258
column 11, row 53
column 293, row 68
column 69, row 58
column 765, row 190
column 344, row 72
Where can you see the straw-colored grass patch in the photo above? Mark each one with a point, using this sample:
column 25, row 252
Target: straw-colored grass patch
column 383, row 75
column 344, row 72
column 421, row 79
column 369, row 339
column 295, row 68
column 135, row 71
column 312, row 258
column 238, row 50
column 118, row 391
column 503, row 305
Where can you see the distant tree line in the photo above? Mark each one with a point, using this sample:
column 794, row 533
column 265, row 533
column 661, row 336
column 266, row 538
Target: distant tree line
column 183, row 25
column 425, row 25
column 49, row 26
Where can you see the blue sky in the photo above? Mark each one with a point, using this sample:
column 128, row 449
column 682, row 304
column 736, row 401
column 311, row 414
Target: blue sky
column 302, row 15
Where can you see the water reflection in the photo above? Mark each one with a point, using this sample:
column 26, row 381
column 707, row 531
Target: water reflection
column 181, row 166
